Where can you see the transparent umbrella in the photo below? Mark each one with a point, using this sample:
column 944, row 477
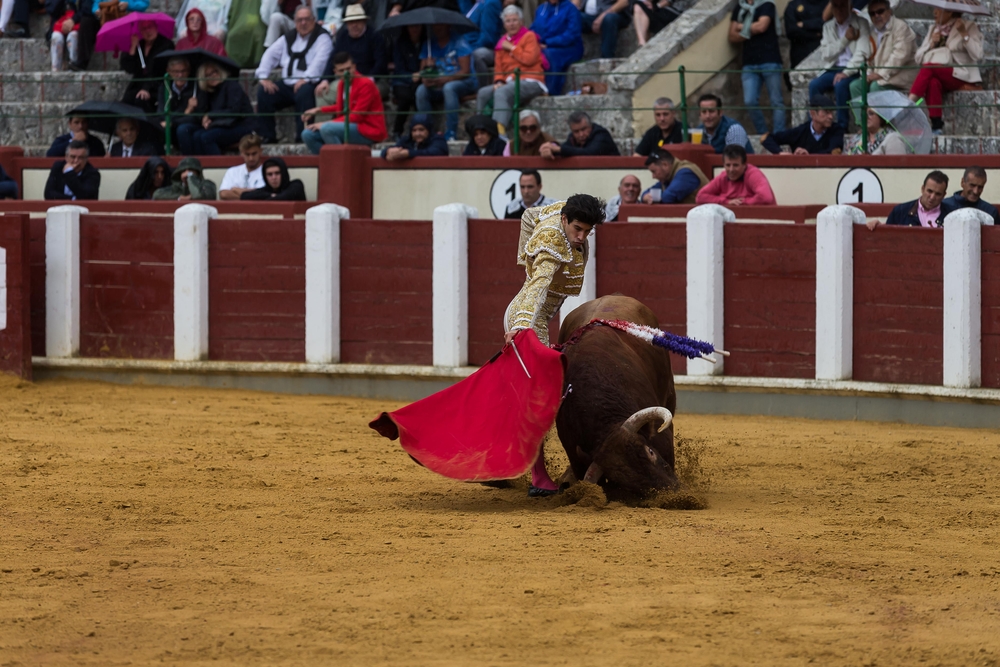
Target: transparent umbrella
column 904, row 116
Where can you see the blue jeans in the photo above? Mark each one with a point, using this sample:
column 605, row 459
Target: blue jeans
column 452, row 94
column 610, row 26
column 332, row 133
column 195, row 140
column 770, row 75
column 841, row 92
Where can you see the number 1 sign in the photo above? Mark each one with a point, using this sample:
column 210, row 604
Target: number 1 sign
column 859, row 186
column 505, row 189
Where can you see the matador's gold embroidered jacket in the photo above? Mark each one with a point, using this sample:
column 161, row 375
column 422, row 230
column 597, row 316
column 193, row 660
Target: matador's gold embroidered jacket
column 554, row 270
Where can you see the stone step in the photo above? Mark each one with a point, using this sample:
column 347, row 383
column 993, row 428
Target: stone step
column 978, row 113
column 26, row 87
column 32, row 55
column 33, row 123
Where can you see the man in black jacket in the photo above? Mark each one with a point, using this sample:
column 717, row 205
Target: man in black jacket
column 928, row 211
column 128, row 144
column 73, row 178
column 819, row 135
column 666, row 130
column 78, row 131
column 971, row 194
column 585, row 138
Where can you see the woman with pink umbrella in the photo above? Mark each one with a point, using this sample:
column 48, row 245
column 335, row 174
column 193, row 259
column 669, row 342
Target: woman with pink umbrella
column 138, row 62
column 90, row 25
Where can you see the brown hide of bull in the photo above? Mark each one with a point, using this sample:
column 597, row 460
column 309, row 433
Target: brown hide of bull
column 614, row 375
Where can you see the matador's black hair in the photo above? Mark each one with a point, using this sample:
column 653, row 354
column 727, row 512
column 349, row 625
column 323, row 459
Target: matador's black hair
column 584, row 208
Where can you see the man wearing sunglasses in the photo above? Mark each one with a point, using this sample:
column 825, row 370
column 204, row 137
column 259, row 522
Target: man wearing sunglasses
column 531, row 135
column 894, row 45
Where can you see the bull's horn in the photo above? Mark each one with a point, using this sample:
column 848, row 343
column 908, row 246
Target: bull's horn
column 646, row 415
column 593, row 474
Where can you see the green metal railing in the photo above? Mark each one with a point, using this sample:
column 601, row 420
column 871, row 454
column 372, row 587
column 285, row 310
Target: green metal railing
column 682, row 74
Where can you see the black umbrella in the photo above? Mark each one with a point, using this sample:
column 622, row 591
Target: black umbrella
column 196, row 57
column 103, row 117
column 430, row 16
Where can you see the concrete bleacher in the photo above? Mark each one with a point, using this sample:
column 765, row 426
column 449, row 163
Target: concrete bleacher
column 33, row 100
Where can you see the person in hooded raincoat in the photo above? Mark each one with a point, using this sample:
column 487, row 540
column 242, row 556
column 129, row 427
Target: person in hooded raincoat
column 155, row 174
column 483, row 137
column 278, row 186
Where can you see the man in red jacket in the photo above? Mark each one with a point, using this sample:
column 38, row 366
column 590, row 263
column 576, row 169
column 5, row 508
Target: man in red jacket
column 740, row 184
column 366, row 117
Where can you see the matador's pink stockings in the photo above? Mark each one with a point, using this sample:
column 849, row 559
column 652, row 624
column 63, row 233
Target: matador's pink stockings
column 539, row 475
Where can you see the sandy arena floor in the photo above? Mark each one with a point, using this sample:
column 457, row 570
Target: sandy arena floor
column 147, row 525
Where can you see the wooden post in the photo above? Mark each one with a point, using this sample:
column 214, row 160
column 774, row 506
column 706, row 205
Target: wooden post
column 323, row 283
column 705, row 225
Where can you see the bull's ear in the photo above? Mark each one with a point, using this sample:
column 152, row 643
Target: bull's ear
column 593, row 474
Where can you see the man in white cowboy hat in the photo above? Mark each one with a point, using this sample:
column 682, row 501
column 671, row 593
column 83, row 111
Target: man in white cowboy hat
column 367, row 49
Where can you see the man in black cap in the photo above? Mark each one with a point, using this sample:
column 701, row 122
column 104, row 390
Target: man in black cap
column 819, row 135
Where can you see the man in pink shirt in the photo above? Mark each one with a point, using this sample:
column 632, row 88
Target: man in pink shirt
column 741, row 184
column 927, row 211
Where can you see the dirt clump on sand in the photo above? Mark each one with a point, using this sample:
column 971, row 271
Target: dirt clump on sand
column 673, row 500
column 584, row 494
column 190, row 526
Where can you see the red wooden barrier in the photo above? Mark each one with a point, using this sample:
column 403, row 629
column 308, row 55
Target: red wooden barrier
column 126, row 287
column 770, row 300
column 494, row 279
column 15, row 339
column 898, row 305
column 385, row 282
column 647, row 261
column 167, row 208
column 36, row 251
column 991, row 306
column 256, row 290
column 798, row 214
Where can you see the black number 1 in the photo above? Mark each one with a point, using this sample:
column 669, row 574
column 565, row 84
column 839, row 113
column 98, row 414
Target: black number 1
column 860, row 192
column 511, row 190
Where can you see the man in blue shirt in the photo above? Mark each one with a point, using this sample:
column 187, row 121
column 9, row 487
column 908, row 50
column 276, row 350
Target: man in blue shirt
column 677, row 181
column 447, row 75
column 715, row 127
column 486, row 15
column 971, row 194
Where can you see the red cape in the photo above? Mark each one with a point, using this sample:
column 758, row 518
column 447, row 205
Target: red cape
column 491, row 424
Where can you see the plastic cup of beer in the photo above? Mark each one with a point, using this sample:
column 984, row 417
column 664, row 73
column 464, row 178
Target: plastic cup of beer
column 696, row 134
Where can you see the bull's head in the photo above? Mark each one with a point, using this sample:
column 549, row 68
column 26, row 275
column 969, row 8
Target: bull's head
column 627, row 460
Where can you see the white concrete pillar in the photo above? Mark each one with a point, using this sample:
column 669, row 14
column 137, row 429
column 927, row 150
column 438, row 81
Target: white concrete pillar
column 3, row 289
column 191, row 281
column 588, row 292
column 323, row 283
column 705, row 281
column 963, row 247
column 835, row 291
column 62, row 280
column 451, row 284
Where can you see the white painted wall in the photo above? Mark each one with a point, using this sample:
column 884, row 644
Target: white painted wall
column 963, row 248
column 451, row 284
column 323, row 283
column 705, row 258
column 835, row 291
column 191, row 281
column 62, row 281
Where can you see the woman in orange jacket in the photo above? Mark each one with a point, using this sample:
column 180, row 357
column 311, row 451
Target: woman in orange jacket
column 517, row 49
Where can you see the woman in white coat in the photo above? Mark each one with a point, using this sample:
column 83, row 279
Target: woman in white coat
column 948, row 58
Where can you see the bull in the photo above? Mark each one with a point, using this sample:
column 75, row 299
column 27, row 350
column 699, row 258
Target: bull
column 616, row 421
